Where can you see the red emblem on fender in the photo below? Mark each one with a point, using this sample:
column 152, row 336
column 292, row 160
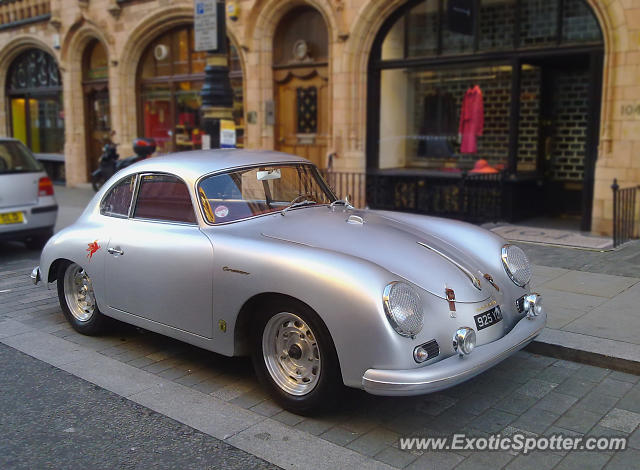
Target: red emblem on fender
column 93, row 247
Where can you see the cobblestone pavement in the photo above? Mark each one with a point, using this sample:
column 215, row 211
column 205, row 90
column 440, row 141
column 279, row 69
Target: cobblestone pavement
column 527, row 392
column 623, row 261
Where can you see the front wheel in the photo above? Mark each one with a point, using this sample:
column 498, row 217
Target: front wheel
column 78, row 302
column 294, row 357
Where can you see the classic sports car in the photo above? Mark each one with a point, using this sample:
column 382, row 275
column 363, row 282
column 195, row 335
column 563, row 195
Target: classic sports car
column 250, row 252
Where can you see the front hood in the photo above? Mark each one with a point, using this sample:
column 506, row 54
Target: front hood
column 416, row 255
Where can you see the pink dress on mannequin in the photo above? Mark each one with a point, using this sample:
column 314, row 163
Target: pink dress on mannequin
column 471, row 120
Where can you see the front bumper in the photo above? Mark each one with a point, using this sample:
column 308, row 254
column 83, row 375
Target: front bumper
column 455, row 369
column 35, row 275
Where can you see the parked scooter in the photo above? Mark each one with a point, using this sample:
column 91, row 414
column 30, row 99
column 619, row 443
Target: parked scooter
column 110, row 162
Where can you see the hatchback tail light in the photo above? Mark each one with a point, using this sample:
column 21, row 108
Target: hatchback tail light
column 45, row 187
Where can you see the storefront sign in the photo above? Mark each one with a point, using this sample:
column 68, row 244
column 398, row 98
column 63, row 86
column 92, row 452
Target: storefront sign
column 227, row 134
column 205, row 25
column 461, row 15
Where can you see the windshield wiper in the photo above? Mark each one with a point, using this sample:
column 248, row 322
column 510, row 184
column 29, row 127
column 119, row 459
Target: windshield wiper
column 344, row 201
column 297, row 202
column 304, row 202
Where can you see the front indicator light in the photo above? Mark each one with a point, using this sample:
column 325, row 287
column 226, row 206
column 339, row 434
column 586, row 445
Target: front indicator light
column 420, row 354
column 464, row 340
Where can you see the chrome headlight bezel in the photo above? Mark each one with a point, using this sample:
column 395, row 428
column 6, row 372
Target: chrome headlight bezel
column 394, row 321
column 517, row 280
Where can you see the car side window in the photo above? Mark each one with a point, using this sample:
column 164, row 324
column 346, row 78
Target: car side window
column 164, row 197
column 118, row 200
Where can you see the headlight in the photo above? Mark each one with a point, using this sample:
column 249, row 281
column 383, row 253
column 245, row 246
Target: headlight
column 403, row 308
column 516, row 264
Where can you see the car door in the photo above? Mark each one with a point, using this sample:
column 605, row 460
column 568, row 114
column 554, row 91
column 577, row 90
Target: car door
column 159, row 263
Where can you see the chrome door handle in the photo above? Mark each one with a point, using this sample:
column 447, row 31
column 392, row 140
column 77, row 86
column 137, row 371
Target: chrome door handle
column 115, row 251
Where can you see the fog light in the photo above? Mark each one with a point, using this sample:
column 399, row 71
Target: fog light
column 420, row 354
column 464, row 340
column 533, row 305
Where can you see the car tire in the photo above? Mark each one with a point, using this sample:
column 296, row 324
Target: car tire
column 37, row 242
column 305, row 379
column 76, row 297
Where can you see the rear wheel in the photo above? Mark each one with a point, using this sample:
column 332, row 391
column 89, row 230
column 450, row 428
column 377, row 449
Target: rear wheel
column 294, row 357
column 78, row 302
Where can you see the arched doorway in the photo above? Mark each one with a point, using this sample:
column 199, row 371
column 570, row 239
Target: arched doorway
column 34, row 95
column 95, row 84
column 533, row 70
column 170, row 77
column 301, row 74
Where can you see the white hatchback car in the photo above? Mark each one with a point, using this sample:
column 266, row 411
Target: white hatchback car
column 28, row 207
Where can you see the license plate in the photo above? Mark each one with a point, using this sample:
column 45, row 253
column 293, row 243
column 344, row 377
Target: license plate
column 11, row 218
column 488, row 318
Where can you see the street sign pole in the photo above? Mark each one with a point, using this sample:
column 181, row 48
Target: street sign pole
column 217, row 95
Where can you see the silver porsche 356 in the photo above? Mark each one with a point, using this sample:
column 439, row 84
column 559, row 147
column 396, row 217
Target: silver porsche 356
column 250, row 252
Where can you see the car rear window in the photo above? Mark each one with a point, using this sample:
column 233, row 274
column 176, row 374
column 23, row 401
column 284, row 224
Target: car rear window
column 118, row 200
column 164, row 197
column 16, row 158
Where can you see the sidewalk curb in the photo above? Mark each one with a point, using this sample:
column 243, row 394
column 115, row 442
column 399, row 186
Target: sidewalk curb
column 610, row 354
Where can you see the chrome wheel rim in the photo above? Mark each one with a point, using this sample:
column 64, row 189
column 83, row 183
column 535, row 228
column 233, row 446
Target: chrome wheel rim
column 78, row 292
column 291, row 353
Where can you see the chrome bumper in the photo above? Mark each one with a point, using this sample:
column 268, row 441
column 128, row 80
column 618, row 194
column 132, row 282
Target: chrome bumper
column 455, row 369
column 35, row 275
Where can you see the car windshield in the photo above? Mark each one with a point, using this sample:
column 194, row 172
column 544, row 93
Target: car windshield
column 261, row 190
column 16, row 158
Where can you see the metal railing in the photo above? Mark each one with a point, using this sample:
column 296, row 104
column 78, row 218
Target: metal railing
column 472, row 197
column 346, row 183
column 624, row 213
column 13, row 12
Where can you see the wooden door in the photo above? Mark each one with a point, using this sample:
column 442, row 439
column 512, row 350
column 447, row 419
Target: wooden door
column 302, row 118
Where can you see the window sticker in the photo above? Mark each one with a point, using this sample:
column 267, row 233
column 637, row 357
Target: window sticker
column 222, row 211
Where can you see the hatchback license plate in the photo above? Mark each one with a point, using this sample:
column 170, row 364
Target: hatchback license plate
column 488, row 318
column 11, row 218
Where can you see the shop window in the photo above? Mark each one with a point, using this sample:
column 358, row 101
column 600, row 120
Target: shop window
column 578, row 22
column 422, row 29
column 428, row 74
column 458, row 28
column 34, row 92
column 171, row 74
column 461, row 27
column 445, row 118
column 539, row 25
column 496, row 24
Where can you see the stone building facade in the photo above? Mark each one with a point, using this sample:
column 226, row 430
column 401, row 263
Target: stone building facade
column 329, row 66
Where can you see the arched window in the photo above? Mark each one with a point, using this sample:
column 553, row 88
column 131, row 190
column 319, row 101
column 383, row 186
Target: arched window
column 34, row 92
column 484, row 86
column 170, row 77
